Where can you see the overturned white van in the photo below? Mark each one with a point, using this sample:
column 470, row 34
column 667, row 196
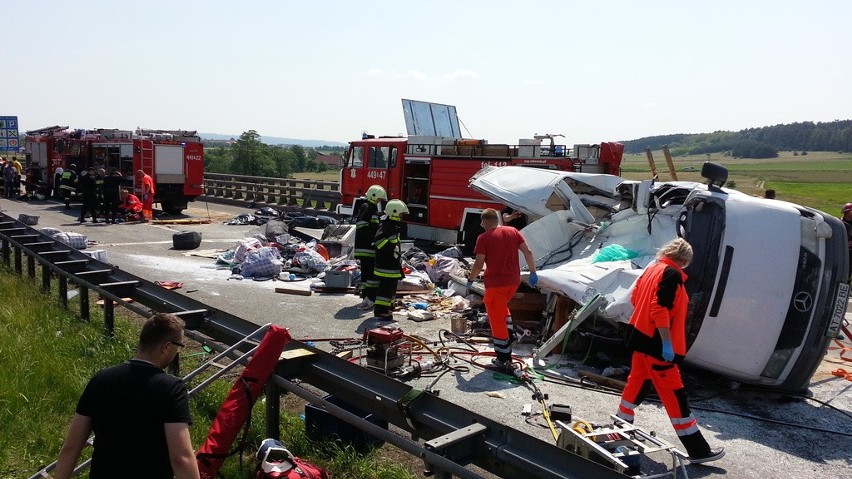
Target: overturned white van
column 767, row 282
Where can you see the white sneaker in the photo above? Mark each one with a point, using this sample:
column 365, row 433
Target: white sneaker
column 367, row 304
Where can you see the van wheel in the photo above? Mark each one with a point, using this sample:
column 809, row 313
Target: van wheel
column 186, row 240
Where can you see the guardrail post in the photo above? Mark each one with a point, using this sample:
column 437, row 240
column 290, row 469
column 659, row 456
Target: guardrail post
column 5, row 251
column 63, row 289
column 109, row 318
column 292, row 194
column 45, row 278
column 273, row 410
column 18, row 268
column 31, row 266
column 84, row 303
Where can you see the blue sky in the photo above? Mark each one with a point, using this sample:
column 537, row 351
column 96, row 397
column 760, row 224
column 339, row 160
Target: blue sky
column 592, row 71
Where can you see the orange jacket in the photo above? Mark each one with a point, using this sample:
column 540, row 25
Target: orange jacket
column 131, row 203
column 147, row 184
column 659, row 301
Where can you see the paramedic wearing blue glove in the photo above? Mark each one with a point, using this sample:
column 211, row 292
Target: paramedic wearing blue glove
column 657, row 335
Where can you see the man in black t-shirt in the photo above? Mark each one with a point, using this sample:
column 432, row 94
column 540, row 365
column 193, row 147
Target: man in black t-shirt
column 138, row 412
column 513, row 218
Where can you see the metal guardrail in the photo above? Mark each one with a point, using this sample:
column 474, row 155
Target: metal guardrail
column 314, row 195
column 455, row 436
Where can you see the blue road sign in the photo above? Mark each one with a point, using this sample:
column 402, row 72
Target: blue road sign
column 9, row 134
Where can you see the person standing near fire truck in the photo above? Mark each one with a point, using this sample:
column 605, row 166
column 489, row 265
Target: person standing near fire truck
column 112, row 195
column 497, row 250
column 656, row 334
column 366, row 225
column 89, row 192
column 68, row 184
column 388, row 268
column 145, row 185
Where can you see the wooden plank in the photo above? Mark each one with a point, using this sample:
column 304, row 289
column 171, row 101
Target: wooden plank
column 299, row 292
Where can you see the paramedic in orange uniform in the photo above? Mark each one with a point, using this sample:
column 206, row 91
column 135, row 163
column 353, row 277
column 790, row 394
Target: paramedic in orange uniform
column 146, row 189
column 656, row 334
column 497, row 248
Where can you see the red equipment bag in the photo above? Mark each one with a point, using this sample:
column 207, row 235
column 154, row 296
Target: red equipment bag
column 301, row 470
column 236, row 409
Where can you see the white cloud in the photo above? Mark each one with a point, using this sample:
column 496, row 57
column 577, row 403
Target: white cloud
column 461, row 75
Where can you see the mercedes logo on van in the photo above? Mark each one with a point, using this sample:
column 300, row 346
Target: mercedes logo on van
column 803, row 302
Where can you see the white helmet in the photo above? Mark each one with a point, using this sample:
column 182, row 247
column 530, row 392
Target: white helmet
column 395, row 208
column 376, row 193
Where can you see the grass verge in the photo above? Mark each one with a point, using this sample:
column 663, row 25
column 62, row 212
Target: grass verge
column 47, row 355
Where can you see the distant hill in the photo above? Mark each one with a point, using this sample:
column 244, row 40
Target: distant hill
column 754, row 142
column 274, row 140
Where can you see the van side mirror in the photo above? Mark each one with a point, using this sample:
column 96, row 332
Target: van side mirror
column 715, row 173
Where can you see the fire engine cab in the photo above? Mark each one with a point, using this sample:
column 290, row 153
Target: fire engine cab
column 173, row 158
column 430, row 169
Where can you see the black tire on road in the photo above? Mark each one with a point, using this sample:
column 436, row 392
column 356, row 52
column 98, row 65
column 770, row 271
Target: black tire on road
column 186, row 240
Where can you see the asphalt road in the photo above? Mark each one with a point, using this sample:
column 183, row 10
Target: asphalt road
column 766, row 435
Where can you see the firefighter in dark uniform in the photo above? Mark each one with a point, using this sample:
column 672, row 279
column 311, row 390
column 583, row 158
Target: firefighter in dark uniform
column 388, row 262
column 89, row 193
column 366, row 225
column 99, row 193
column 68, row 184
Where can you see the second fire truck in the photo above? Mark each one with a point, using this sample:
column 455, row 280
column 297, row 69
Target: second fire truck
column 173, row 158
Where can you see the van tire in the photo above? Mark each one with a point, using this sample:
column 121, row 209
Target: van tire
column 186, row 240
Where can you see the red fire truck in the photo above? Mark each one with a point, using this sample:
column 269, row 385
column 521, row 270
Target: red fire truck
column 173, row 158
column 429, row 170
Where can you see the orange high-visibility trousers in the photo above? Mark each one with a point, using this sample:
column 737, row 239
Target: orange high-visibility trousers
column 665, row 378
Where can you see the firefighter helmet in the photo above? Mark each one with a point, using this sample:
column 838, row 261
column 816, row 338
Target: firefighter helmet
column 847, row 207
column 376, row 193
column 273, row 458
column 395, row 209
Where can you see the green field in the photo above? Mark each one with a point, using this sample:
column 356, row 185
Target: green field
column 821, row 180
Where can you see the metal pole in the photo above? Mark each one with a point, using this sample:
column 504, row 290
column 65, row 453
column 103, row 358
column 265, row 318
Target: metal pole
column 109, row 317
column 5, row 250
column 63, row 291
column 670, row 162
column 273, row 410
column 45, row 278
column 18, row 268
column 31, row 266
column 84, row 304
column 651, row 162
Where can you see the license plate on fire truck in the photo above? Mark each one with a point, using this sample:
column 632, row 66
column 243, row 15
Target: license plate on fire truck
column 839, row 311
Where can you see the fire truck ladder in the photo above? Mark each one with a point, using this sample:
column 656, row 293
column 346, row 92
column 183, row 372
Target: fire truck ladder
column 246, row 342
column 146, row 156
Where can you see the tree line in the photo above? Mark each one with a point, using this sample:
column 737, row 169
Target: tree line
column 763, row 142
column 250, row 156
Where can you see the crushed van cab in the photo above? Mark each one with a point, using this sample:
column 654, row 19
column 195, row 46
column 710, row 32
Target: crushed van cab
column 767, row 282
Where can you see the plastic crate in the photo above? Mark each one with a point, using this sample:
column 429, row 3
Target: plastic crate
column 320, row 424
column 338, row 279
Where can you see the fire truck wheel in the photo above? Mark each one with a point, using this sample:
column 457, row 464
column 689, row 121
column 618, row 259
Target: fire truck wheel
column 171, row 209
column 186, row 240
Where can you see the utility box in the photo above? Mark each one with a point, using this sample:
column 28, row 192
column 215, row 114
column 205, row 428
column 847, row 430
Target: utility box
column 528, row 148
column 338, row 279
